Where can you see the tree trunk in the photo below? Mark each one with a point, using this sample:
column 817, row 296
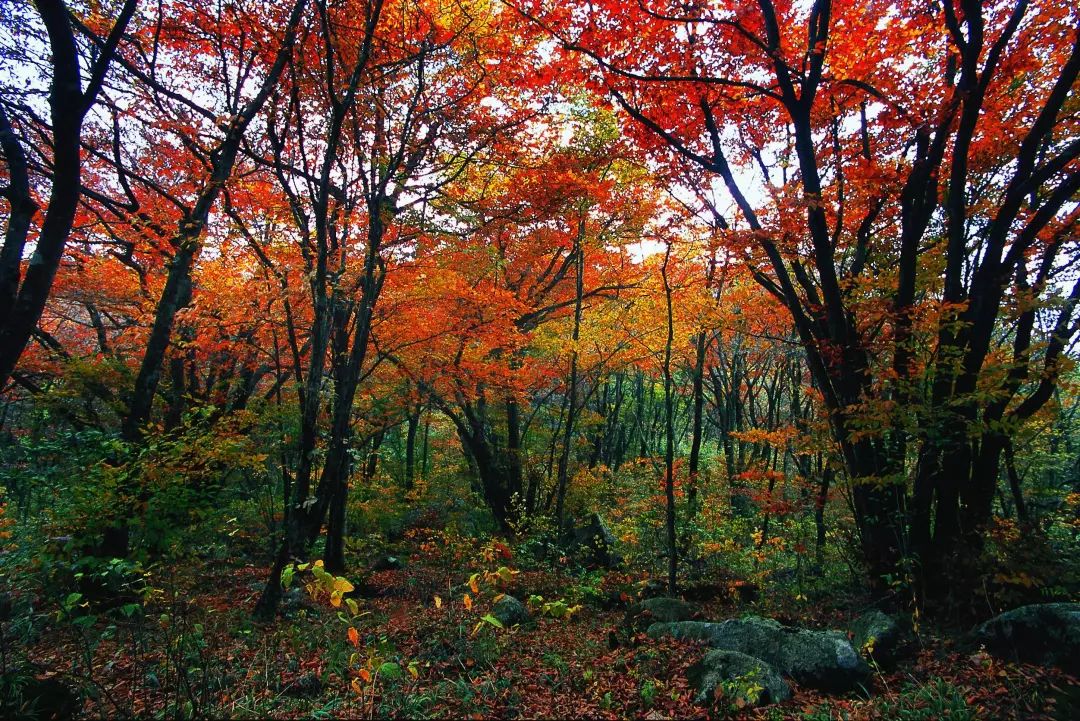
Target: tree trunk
column 514, row 452
column 1014, row 484
column 410, row 447
column 572, row 402
column 669, row 435
column 21, row 305
column 698, row 391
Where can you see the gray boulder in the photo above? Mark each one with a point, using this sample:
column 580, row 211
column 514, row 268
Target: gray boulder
column 751, row 679
column 295, row 601
column 595, row 543
column 1042, row 633
column 510, row 611
column 652, row 589
column 823, row 660
column 662, row 609
column 877, row 636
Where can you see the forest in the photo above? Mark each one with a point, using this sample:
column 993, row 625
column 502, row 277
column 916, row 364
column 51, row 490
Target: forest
column 529, row 359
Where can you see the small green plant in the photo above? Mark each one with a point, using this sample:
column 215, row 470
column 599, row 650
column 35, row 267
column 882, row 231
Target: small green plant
column 559, row 609
column 732, row 695
column 322, row 584
column 935, row 700
column 556, row 662
column 648, row 692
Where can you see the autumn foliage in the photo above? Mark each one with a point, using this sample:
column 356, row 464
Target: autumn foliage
column 781, row 295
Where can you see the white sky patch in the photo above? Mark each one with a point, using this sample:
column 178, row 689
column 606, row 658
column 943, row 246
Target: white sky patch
column 643, row 249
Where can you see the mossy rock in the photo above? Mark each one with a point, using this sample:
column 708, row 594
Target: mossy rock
column 510, row 611
column 877, row 636
column 746, row 680
column 824, row 660
column 1043, row 633
column 662, row 609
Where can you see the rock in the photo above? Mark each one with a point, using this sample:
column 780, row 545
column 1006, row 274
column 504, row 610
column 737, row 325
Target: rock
column 510, row 611
column 295, row 600
column 823, row 660
column 386, row 562
column 652, row 589
column 611, row 600
column 751, row 679
column 307, row 685
column 1042, row 633
column 27, row 697
column 595, row 543
column 877, row 636
column 662, row 609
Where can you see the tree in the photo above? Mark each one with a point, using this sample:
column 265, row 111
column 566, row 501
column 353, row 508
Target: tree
column 375, row 119
column 542, row 236
column 23, row 294
column 917, row 182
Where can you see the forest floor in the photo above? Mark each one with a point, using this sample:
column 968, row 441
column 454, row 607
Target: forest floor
column 196, row 651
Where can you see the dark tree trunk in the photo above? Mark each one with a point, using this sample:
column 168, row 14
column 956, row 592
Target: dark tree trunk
column 21, row 305
column 572, row 387
column 1014, row 484
column 410, row 446
column 698, row 394
column 669, row 435
column 424, row 454
column 819, row 518
column 514, row 451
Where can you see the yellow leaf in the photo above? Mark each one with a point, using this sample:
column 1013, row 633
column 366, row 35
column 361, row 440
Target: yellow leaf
column 438, row 602
column 473, row 584
column 468, row 602
column 335, row 599
column 342, row 585
column 356, row 685
column 413, row 671
column 319, row 563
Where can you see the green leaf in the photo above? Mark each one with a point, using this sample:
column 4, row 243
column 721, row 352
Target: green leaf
column 493, row 621
column 390, row 670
